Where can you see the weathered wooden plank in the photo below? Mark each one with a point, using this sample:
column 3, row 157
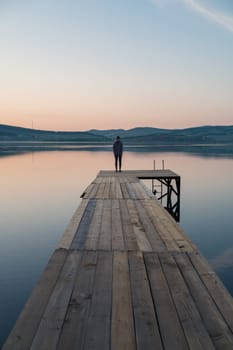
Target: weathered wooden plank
column 195, row 332
column 112, row 190
column 69, row 233
column 147, row 190
column 215, row 325
column 121, row 178
column 139, row 191
column 168, row 240
column 118, row 193
column 99, row 321
column 147, row 331
column 144, row 191
column 105, row 236
column 155, row 240
column 169, row 324
column 99, row 179
column 146, row 174
column 124, row 190
column 94, row 228
column 129, row 237
column 138, row 229
column 122, row 333
column 168, row 221
column 26, row 326
column 106, row 192
column 100, row 192
column 48, row 333
column 217, row 290
column 136, row 190
column 130, row 189
column 74, row 328
column 173, row 228
column 132, row 178
column 88, row 190
column 117, row 232
column 81, row 233
column 94, row 190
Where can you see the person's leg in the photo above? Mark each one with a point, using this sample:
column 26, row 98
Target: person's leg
column 116, row 163
column 120, row 158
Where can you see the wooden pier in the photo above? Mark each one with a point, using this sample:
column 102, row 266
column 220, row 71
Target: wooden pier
column 125, row 277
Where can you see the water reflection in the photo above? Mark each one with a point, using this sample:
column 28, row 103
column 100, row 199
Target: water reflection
column 41, row 190
column 223, row 261
column 214, row 150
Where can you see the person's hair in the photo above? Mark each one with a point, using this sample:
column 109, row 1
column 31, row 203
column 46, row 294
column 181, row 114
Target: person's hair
column 118, row 137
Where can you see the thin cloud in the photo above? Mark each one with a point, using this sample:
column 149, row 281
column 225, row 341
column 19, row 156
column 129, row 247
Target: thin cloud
column 224, row 20
column 221, row 19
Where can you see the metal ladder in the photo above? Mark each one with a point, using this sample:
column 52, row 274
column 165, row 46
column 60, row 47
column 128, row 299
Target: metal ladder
column 157, row 188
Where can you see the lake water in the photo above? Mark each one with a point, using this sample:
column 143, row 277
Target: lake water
column 41, row 190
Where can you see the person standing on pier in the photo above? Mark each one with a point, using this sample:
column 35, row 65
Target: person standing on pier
column 118, row 151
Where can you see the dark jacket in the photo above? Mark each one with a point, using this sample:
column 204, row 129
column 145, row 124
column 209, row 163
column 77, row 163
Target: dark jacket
column 118, row 148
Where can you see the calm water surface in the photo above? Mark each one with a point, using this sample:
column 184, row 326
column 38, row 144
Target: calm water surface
column 40, row 191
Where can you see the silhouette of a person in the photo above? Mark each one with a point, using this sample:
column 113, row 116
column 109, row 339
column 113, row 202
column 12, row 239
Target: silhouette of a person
column 118, row 152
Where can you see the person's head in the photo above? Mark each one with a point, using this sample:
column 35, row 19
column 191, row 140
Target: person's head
column 118, row 138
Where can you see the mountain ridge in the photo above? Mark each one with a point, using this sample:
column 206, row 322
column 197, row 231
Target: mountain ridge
column 138, row 135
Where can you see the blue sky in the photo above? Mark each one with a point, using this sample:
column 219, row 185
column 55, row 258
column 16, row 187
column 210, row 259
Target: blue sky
column 75, row 65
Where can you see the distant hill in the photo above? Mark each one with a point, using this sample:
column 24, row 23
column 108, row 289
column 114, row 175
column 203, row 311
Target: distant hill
column 139, row 135
column 13, row 133
column 139, row 131
column 197, row 135
column 149, row 135
column 112, row 133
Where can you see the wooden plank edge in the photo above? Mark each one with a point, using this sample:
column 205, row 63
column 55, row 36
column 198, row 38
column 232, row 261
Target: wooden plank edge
column 71, row 229
column 26, row 326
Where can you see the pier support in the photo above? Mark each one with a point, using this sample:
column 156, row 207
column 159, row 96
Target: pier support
column 170, row 191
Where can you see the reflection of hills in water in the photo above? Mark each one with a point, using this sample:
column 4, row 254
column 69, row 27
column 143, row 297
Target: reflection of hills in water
column 212, row 150
column 200, row 150
column 209, row 141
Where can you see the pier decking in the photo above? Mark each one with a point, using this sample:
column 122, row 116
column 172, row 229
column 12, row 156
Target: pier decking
column 125, row 276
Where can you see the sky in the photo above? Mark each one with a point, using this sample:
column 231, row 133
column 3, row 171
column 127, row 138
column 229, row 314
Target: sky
column 105, row 64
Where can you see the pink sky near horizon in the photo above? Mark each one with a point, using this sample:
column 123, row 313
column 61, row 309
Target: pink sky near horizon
column 116, row 113
column 104, row 126
column 86, row 123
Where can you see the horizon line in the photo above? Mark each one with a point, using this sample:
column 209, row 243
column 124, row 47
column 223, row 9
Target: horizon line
column 116, row 129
